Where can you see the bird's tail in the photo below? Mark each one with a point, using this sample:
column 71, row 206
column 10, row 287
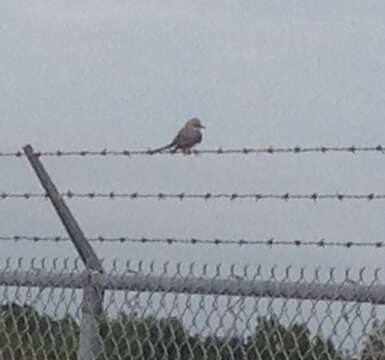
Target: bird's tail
column 162, row 148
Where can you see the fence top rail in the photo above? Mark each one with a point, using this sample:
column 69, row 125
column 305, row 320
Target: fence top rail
column 349, row 291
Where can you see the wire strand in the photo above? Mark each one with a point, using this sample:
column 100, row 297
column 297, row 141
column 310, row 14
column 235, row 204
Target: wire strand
column 201, row 196
column 194, row 241
column 220, row 151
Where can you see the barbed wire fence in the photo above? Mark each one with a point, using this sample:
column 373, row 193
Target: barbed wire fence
column 157, row 312
column 189, row 196
column 271, row 242
column 220, row 151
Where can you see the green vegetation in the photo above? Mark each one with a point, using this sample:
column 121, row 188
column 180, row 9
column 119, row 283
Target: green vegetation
column 25, row 335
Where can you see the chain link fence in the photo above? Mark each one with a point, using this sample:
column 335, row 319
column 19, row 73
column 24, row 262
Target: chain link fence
column 163, row 311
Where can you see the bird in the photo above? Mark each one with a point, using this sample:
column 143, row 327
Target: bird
column 187, row 137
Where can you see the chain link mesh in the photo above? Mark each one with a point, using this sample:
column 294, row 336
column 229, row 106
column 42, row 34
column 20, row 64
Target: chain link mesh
column 42, row 320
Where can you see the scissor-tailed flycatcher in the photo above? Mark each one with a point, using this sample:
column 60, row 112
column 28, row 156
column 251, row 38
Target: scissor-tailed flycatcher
column 189, row 136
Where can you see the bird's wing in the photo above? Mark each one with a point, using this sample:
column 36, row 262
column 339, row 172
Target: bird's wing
column 188, row 139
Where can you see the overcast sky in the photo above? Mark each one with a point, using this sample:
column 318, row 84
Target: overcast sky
column 127, row 75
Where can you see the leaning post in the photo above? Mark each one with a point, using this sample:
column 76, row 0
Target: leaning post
column 92, row 306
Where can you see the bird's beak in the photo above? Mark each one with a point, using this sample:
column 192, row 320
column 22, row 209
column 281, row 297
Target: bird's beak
column 202, row 127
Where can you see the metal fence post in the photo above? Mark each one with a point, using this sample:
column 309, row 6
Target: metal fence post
column 92, row 307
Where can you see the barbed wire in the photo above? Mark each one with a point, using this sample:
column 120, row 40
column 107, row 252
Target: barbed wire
column 220, row 151
column 202, row 196
column 195, row 241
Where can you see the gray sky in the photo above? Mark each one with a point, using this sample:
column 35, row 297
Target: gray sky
column 127, row 75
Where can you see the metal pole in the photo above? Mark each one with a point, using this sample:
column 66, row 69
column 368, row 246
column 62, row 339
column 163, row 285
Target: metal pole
column 92, row 307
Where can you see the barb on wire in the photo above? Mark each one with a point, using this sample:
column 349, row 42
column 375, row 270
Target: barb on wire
column 11, row 154
column 202, row 196
column 220, row 151
column 195, row 241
